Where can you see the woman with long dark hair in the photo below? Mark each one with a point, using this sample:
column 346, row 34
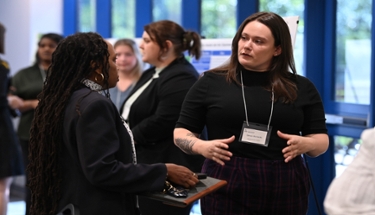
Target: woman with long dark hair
column 260, row 117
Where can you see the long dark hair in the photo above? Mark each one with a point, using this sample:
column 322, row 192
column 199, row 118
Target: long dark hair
column 75, row 58
column 163, row 30
column 282, row 68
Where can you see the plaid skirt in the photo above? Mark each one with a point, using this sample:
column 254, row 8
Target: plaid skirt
column 258, row 187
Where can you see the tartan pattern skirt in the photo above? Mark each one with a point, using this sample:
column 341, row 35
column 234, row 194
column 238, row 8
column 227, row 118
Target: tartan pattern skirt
column 258, row 187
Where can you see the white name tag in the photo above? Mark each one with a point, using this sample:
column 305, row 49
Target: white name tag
column 255, row 133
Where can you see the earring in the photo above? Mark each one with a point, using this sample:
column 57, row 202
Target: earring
column 96, row 79
column 163, row 57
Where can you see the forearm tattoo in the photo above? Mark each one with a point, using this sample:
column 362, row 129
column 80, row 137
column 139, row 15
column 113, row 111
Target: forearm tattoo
column 186, row 145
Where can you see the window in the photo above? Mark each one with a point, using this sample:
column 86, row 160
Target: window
column 86, row 17
column 353, row 51
column 287, row 8
column 218, row 18
column 167, row 9
column 123, row 18
column 346, row 148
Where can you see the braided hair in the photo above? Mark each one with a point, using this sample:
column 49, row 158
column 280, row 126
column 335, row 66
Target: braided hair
column 76, row 57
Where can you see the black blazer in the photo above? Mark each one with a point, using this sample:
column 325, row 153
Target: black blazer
column 96, row 159
column 153, row 116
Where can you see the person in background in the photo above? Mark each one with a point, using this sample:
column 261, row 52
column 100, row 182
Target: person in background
column 27, row 84
column 154, row 104
column 352, row 193
column 10, row 152
column 261, row 116
column 130, row 66
column 81, row 151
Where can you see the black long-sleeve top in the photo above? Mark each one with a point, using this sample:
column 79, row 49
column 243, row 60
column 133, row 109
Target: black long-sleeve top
column 219, row 105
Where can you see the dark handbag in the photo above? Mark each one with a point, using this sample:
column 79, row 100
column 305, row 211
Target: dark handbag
column 174, row 191
column 14, row 113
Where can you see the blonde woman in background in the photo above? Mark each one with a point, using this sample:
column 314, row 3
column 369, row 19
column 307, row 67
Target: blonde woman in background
column 129, row 66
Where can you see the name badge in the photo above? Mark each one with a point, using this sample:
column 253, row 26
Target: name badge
column 255, row 133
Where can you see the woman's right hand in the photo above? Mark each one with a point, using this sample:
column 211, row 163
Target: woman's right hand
column 181, row 175
column 216, row 150
column 15, row 102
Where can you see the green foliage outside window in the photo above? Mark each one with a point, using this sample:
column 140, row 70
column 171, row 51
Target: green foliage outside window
column 287, row 8
column 123, row 18
column 86, row 18
column 218, row 18
column 167, row 9
column 353, row 20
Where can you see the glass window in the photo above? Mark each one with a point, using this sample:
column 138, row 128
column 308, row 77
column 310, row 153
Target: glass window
column 346, row 148
column 353, row 51
column 218, row 18
column 287, row 8
column 123, row 18
column 86, row 17
column 167, row 9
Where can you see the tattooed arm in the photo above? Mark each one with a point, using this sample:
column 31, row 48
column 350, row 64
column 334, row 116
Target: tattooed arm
column 186, row 143
column 216, row 150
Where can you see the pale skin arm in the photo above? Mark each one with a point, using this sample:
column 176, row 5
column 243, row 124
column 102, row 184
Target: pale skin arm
column 313, row 145
column 216, row 150
column 16, row 102
column 29, row 105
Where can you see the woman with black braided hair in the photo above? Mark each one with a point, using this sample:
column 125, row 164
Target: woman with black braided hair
column 81, row 152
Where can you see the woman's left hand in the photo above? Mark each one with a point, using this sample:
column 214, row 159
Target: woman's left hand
column 296, row 145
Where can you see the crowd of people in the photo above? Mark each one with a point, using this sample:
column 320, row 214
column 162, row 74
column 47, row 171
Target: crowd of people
column 101, row 123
